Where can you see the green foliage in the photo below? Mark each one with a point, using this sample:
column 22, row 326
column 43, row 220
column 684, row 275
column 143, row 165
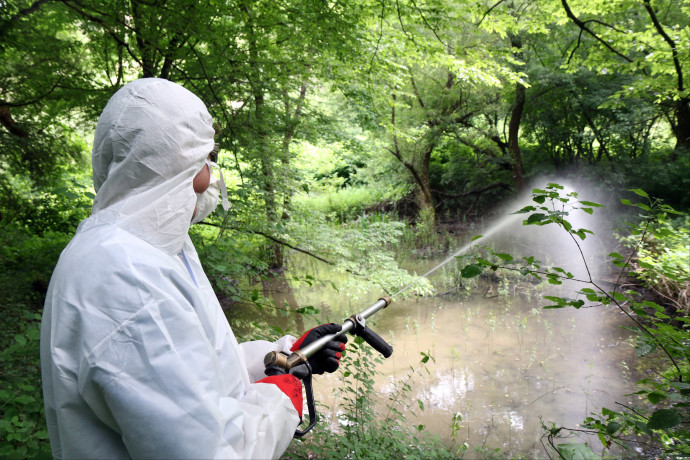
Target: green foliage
column 397, row 96
column 663, row 420
column 344, row 204
column 43, row 208
column 23, row 433
column 28, row 262
column 31, row 246
column 662, row 258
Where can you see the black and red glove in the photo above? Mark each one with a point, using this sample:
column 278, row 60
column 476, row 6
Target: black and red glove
column 290, row 385
column 328, row 358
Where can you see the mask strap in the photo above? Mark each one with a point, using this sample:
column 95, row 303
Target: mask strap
column 223, row 189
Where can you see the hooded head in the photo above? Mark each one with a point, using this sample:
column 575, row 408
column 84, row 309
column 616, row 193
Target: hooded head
column 152, row 138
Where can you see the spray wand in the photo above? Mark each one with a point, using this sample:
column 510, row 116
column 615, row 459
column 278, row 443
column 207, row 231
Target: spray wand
column 298, row 365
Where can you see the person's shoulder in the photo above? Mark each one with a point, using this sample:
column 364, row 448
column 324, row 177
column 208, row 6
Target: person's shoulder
column 110, row 269
column 107, row 246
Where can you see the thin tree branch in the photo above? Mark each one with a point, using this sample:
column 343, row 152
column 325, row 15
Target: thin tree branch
column 582, row 25
column 378, row 41
column 106, row 27
column 489, row 11
column 429, row 26
column 402, row 25
column 272, row 238
column 671, row 43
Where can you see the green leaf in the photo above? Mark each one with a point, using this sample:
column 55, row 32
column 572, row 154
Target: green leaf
column 525, row 210
column 639, row 192
column 25, row 399
column 470, row 271
column 20, row 339
column 421, row 404
column 618, row 296
column 592, row 203
column 656, row 396
column 505, row 257
column 484, row 262
column 612, row 427
column 663, row 419
column 576, row 451
column 644, row 346
column 476, row 237
column 535, row 218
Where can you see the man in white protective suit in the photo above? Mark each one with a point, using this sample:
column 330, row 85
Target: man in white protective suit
column 137, row 357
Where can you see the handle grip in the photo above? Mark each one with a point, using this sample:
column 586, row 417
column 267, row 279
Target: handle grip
column 376, row 342
column 302, row 372
column 311, row 404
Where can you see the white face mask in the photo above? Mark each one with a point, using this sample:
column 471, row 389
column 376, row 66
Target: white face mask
column 207, row 201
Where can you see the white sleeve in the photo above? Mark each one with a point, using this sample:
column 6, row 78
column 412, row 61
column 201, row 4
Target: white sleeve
column 159, row 383
column 253, row 354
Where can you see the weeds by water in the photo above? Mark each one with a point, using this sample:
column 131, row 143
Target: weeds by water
column 363, row 431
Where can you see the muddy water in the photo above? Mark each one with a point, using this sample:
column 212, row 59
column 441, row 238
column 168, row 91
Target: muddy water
column 501, row 363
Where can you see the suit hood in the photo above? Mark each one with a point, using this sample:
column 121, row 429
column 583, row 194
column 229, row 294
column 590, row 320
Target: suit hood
column 152, row 138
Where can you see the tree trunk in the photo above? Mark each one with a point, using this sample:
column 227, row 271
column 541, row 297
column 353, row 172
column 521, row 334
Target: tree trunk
column 426, row 200
column 275, row 250
column 682, row 127
column 513, row 144
column 514, row 124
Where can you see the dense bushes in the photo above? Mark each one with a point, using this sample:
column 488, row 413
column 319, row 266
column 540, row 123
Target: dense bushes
column 28, row 261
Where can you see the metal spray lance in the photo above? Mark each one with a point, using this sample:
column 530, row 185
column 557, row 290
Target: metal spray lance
column 297, row 363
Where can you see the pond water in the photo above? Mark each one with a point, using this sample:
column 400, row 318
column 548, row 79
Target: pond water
column 501, row 363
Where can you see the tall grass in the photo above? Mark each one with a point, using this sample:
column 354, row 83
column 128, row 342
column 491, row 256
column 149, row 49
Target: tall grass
column 348, row 203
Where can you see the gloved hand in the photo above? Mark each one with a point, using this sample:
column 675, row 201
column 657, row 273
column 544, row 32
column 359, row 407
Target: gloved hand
column 328, row 358
column 290, row 385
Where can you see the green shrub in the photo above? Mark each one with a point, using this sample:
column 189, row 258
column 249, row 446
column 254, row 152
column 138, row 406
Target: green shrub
column 23, row 433
column 361, row 431
column 348, row 203
column 662, row 261
column 28, row 261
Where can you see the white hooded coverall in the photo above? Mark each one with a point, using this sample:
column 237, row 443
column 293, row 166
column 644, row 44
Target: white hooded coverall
column 137, row 357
